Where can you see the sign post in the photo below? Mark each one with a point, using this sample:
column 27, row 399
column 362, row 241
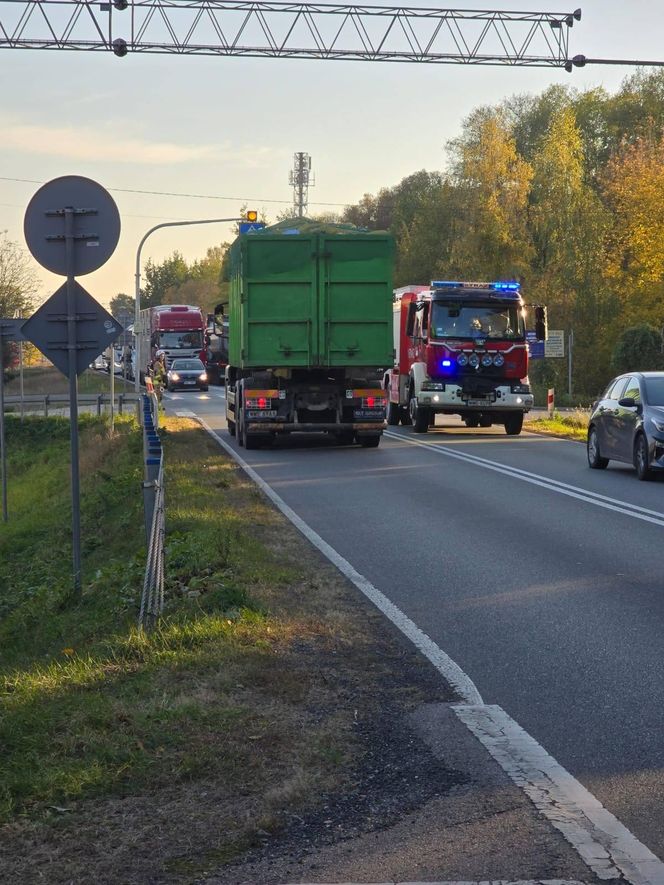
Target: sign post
column 10, row 330
column 71, row 328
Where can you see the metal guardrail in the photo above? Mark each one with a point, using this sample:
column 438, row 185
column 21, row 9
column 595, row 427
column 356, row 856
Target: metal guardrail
column 45, row 401
column 152, row 598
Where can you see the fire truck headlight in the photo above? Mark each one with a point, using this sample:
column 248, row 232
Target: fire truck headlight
column 462, row 359
column 487, row 360
column 519, row 401
column 499, row 360
column 473, row 360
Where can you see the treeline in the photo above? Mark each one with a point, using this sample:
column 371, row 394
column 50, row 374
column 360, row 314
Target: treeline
column 176, row 281
column 563, row 191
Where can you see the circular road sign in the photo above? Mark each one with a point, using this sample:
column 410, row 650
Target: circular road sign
column 96, row 225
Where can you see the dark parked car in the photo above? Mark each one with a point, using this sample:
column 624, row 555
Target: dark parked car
column 627, row 424
column 187, row 373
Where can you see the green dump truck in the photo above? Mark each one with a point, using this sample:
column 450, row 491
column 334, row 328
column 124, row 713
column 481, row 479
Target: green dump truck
column 310, row 332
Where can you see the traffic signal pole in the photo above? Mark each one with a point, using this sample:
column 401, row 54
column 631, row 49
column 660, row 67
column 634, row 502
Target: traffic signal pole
column 137, row 278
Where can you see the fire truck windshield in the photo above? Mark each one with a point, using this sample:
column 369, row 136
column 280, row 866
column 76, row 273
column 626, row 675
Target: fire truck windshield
column 181, row 340
column 476, row 320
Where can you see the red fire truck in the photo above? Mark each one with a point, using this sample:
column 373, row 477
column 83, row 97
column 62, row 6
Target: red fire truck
column 461, row 349
column 177, row 329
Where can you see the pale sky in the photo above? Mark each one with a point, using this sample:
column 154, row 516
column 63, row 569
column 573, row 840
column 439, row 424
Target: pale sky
column 228, row 127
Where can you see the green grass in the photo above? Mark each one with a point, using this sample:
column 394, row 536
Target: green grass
column 92, row 707
column 572, row 425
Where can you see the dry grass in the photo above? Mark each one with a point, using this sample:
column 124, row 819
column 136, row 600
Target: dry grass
column 570, row 425
column 48, row 379
column 238, row 715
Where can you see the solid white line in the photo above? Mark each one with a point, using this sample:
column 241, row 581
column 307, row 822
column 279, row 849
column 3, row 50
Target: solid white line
column 607, row 847
column 634, row 510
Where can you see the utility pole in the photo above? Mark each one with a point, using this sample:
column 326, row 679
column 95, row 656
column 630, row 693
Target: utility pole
column 300, row 178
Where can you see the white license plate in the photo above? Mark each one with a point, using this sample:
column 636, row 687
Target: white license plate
column 479, row 402
column 262, row 413
column 189, row 382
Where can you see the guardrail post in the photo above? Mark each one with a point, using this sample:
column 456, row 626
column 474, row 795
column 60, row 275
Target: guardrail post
column 152, row 599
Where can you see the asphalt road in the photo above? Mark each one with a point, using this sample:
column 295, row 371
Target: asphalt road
column 541, row 578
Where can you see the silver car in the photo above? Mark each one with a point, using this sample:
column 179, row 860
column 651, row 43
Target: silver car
column 627, row 424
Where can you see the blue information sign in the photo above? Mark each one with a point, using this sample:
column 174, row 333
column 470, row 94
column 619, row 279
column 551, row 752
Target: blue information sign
column 535, row 347
column 248, row 227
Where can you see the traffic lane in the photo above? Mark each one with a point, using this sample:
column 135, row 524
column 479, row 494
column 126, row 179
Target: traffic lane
column 563, row 639
column 570, row 571
column 559, row 629
column 562, row 460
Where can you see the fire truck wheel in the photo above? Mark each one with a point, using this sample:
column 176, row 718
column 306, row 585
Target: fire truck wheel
column 513, row 423
column 370, row 442
column 472, row 421
column 419, row 416
column 393, row 414
column 485, row 422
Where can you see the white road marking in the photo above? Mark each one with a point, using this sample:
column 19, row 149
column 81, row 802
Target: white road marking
column 605, row 845
column 554, row 485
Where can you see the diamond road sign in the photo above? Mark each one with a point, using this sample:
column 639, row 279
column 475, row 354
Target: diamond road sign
column 95, row 328
column 11, row 330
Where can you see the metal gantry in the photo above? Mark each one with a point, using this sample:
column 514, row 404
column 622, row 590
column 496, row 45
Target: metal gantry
column 290, row 30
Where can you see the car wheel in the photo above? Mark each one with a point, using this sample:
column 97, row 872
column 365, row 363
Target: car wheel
column 204, row 389
column 643, row 471
column 370, row 442
column 471, row 422
column 595, row 460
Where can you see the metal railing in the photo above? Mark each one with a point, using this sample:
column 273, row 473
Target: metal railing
column 47, row 402
column 152, row 598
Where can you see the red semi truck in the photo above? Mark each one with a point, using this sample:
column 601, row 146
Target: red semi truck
column 461, row 349
column 177, row 329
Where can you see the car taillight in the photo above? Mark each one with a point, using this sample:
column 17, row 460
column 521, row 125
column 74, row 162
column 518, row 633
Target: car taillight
column 262, row 403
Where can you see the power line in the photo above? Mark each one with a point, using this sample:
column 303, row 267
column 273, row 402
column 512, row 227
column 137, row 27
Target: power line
column 126, row 190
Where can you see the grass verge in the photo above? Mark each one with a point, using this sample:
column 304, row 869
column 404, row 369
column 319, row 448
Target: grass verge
column 570, row 425
column 256, row 698
column 48, row 379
